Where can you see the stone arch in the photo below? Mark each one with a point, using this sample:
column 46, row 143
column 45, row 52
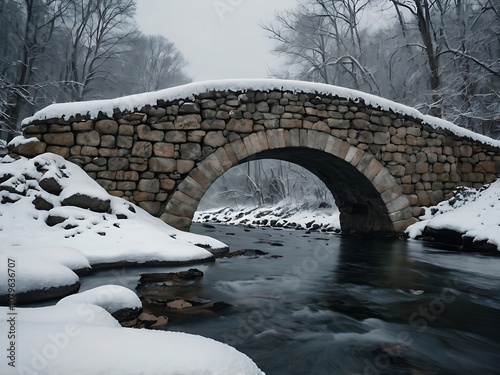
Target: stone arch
column 369, row 198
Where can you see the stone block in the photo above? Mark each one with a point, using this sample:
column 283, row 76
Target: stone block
column 83, row 126
column 214, row 139
column 290, row 123
column 59, row 150
column 116, row 164
column 142, row 149
column 175, row 136
column 108, row 141
column 107, row 126
column 359, row 123
column 154, row 208
column 166, row 125
column 126, row 185
column 145, row 133
column 167, row 184
column 189, row 108
column 164, row 165
column 184, row 166
column 192, row 188
column 91, row 138
column 466, row 151
column 127, row 130
column 485, row 167
column 188, row 122
column 35, row 129
column 365, row 137
column 142, row 196
column 295, row 109
column 190, row 151
column 149, row 185
column 240, row 125
column 60, row 139
column 127, row 176
column 29, row 149
column 165, row 150
column 196, row 136
column 422, row 167
column 124, row 141
column 110, row 152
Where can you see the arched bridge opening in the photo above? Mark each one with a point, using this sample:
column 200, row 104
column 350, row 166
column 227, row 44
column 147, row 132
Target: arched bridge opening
column 369, row 199
column 361, row 208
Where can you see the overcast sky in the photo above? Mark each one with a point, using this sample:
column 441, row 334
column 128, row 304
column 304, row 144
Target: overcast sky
column 220, row 38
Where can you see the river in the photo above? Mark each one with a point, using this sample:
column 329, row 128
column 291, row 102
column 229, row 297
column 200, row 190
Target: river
column 344, row 305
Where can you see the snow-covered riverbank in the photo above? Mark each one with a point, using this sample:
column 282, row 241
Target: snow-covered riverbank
column 55, row 223
column 470, row 220
column 283, row 215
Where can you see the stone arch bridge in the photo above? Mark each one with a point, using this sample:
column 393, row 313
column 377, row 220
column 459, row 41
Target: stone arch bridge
column 382, row 161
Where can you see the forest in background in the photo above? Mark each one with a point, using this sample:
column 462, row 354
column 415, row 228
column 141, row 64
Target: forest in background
column 74, row 50
column 441, row 57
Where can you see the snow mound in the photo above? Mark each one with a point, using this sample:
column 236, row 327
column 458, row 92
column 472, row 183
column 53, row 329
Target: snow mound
column 67, row 256
column 475, row 214
column 48, row 201
column 188, row 92
column 110, row 297
column 34, row 274
column 86, row 340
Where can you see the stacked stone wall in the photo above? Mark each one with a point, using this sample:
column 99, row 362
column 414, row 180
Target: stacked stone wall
column 144, row 155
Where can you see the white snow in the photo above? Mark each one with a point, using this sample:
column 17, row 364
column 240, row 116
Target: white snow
column 20, row 140
column 78, row 335
column 101, row 237
column 476, row 214
column 188, row 92
column 110, row 297
column 84, row 339
column 33, row 274
column 283, row 214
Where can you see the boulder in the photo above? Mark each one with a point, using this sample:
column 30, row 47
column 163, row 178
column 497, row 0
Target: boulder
column 87, row 202
column 126, row 314
column 190, row 274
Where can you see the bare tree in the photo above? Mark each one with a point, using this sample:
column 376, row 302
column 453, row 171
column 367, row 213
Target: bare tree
column 460, row 40
column 154, row 63
column 97, row 30
column 322, row 42
column 27, row 28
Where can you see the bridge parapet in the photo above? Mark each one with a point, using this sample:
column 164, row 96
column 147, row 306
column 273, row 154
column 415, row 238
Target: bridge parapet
column 144, row 154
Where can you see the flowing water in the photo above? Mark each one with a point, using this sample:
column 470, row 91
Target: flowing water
column 344, row 305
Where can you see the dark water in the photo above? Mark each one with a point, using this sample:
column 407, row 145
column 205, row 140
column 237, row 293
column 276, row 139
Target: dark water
column 338, row 305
